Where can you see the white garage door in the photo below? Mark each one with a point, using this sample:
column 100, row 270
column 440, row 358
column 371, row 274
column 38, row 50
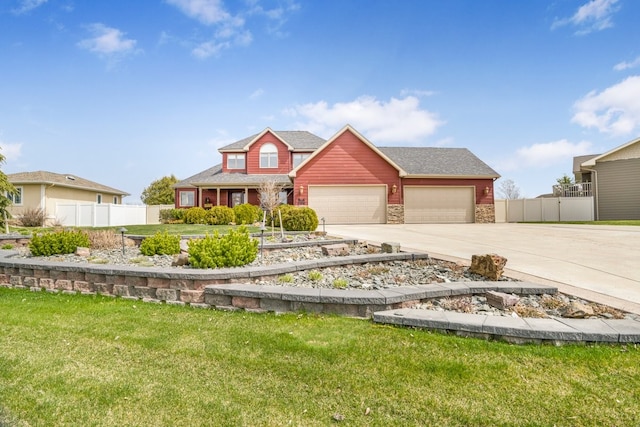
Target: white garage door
column 438, row 205
column 349, row 204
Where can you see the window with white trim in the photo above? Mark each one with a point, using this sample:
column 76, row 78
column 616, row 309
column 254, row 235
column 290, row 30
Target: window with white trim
column 115, row 200
column 235, row 161
column 98, row 198
column 299, row 158
column 187, row 198
column 16, row 198
column 268, row 156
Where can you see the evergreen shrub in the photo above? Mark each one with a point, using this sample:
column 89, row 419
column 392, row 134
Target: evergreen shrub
column 235, row 249
column 160, row 244
column 58, row 242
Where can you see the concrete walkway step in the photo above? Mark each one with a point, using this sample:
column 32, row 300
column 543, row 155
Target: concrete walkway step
column 516, row 329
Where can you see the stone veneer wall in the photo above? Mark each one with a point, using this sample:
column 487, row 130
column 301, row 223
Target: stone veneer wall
column 395, row 214
column 485, row 214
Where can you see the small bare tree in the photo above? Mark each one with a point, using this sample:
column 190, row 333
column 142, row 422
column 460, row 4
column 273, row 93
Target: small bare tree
column 509, row 190
column 269, row 197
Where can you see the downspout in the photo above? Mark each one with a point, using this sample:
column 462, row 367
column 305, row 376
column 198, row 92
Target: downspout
column 595, row 191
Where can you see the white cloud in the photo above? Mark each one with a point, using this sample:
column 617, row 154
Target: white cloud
column 544, row 155
column 26, row 6
column 395, row 121
column 207, row 12
column 417, row 92
column 615, row 110
column 624, row 65
column 107, row 41
column 257, row 94
column 596, row 15
column 11, row 151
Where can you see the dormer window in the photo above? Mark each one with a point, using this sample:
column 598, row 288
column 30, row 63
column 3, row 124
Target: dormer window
column 299, row 158
column 268, row 156
column 235, row 161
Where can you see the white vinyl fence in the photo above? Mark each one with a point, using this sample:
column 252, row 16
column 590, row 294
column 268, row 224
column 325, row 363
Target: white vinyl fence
column 106, row 214
column 545, row 209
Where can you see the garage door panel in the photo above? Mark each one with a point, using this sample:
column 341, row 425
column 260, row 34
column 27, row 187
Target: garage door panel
column 439, row 205
column 349, row 204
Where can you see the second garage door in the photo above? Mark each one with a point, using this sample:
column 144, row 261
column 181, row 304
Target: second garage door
column 349, row 204
column 438, row 205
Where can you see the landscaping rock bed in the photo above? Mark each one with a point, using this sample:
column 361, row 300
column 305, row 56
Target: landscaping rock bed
column 370, row 276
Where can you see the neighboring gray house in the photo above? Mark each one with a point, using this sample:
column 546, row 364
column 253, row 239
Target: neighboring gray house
column 615, row 179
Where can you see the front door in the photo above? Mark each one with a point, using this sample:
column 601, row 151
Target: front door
column 237, row 198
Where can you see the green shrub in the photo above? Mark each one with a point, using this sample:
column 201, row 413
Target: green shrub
column 340, row 283
column 275, row 221
column 172, row 216
column 160, row 244
column 7, row 246
column 286, row 278
column 300, row 219
column 196, row 215
column 57, row 243
column 234, row 249
column 315, row 275
column 247, row 213
column 220, row 215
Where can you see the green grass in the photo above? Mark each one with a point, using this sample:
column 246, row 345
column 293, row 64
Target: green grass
column 98, row 361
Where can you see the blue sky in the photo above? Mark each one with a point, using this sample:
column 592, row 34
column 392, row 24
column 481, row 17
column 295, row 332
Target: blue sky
column 125, row 92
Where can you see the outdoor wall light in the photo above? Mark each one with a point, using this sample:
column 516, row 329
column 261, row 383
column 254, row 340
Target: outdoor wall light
column 394, row 189
column 486, row 191
column 301, row 190
column 122, row 230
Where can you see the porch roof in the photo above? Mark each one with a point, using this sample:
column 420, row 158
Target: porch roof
column 214, row 177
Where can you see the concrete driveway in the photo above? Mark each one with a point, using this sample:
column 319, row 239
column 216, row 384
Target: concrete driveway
column 598, row 263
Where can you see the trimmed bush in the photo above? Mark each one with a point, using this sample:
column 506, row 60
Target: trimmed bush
column 300, row 219
column 57, row 243
column 196, row 215
column 234, row 249
column 284, row 210
column 172, row 216
column 220, row 215
column 160, row 244
column 247, row 213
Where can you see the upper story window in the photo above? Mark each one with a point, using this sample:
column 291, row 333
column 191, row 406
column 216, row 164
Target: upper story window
column 16, row 198
column 235, row 161
column 299, row 158
column 98, row 198
column 268, row 156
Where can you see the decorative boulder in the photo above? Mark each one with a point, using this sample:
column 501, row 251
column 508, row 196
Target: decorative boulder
column 83, row 252
column 390, row 247
column 490, row 266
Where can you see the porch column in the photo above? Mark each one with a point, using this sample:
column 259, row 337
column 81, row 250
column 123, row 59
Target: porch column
column 246, row 194
column 200, row 196
column 217, row 196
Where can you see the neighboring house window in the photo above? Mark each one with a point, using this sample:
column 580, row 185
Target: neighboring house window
column 299, row 158
column 187, row 198
column 268, row 156
column 16, row 198
column 115, row 200
column 235, row 161
column 98, row 198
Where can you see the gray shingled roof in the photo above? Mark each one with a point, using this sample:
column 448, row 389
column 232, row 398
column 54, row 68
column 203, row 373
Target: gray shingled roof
column 298, row 139
column 63, row 180
column 438, row 161
column 579, row 160
column 215, row 176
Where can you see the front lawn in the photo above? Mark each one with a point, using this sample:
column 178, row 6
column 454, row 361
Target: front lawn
column 92, row 360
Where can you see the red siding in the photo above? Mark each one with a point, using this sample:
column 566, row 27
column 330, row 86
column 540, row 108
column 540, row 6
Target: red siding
column 347, row 160
column 253, row 156
column 480, row 185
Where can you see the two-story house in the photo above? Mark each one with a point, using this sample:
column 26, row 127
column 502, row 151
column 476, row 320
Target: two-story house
column 347, row 180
